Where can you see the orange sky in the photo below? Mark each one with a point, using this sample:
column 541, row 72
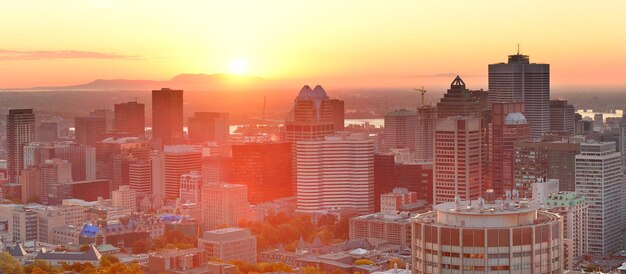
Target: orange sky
column 348, row 43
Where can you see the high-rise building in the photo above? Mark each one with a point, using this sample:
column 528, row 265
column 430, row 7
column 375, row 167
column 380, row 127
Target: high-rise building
column 89, row 130
column 48, row 132
column 217, row 169
column 265, row 168
column 140, row 177
column 223, row 205
column 337, row 172
column 417, row 178
column 167, row 116
column 191, row 187
column 338, row 107
column 130, row 118
column 124, row 197
column 599, row 179
column 209, row 127
column 458, row 101
column 179, row 159
column 530, row 165
column 622, row 140
column 508, row 125
column 511, row 236
column 562, row 118
column 20, row 131
column 459, row 168
column 522, row 81
column 574, row 210
column 43, row 183
column 113, row 157
column 401, row 130
column 562, row 162
column 311, row 117
column 426, row 116
column 81, row 158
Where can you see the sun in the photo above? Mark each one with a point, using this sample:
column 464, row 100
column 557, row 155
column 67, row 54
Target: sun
column 239, row 67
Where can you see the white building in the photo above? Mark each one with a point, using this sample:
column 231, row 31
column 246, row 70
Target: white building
column 510, row 236
column 541, row 189
column 224, row 205
column 124, row 197
column 599, row 179
column 229, row 244
column 573, row 208
column 191, row 187
column 336, row 172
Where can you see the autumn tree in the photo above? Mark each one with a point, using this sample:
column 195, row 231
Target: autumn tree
column 8, row 264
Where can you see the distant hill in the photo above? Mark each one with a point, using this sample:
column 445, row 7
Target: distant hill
column 182, row 81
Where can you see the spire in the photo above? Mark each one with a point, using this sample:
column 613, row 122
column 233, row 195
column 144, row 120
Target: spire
column 457, row 83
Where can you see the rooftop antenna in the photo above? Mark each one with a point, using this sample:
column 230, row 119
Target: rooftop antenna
column 423, row 91
column 517, row 48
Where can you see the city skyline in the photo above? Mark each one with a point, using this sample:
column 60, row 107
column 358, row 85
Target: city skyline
column 306, row 42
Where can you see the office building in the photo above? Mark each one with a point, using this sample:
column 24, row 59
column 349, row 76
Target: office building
column 426, row 116
column 48, row 132
column 393, row 228
column 459, row 168
column 81, row 158
column 562, row 162
column 20, row 131
column 510, row 236
column 337, row 172
column 265, row 168
column 223, row 205
column 458, row 101
column 43, row 183
column 216, row 169
column 113, row 156
column 573, row 209
column 542, row 189
column 179, row 159
column 124, row 197
column 209, row 127
column 191, row 187
column 562, row 118
column 599, row 179
column 401, row 130
column 89, row 130
column 338, row 107
column 522, row 81
column 400, row 199
column 508, row 125
column 229, row 244
column 311, row 117
column 530, row 165
column 167, row 116
column 130, row 118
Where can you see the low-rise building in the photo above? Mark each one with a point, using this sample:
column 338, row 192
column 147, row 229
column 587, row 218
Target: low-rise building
column 229, row 244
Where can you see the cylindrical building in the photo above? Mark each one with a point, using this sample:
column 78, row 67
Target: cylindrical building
column 475, row 237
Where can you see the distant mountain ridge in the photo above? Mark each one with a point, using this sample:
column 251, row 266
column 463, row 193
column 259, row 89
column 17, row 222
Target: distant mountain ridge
column 181, row 81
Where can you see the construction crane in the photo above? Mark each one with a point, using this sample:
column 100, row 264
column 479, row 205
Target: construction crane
column 423, row 91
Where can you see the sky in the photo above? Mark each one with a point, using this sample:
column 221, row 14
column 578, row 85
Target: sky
column 342, row 44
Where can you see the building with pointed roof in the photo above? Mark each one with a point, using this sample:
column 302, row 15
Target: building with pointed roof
column 458, row 101
column 311, row 117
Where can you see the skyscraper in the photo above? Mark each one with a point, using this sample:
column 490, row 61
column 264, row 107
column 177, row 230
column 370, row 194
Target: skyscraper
column 522, row 81
column 508, row 125
column 338, row 113
column 223, row 205
column 562, row 162
column 311, row 117
column 337, row 172
column 530, row 165
column 90, row 130
column 599, row 179
column 401, row 130
column 574, row 210
column 167, row 116
column 265, row 168
column 179, row 159
column 209, row 126
column 20, row 131
column 426, row 116
column 458, row 164
column 458, row 101
column 130, row 118
column 562, row 118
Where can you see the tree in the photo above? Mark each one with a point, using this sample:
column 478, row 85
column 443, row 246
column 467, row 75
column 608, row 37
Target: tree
column 338, row 271
column 42, row 266
column 363, row 262
column 141, row 246
column 311, row 270
column 391, row 263
column 593, row 268
column 8, row 264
